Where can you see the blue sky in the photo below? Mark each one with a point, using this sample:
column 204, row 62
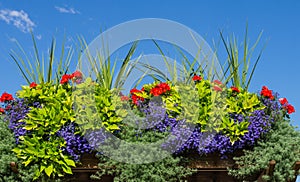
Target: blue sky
column 278, row 68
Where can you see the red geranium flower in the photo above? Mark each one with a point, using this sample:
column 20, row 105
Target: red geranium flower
column 32, row 85
column 1, row 110
column 218, row 82
column 283, row 101
column 197, row 78
column 235, row 89
column 6, row 97
column 217, row 88
column 134, row 97
column 289, row 108
column 134, row 90
column 160, row 89
column 65, row 78
column 77, row 75
column 267, row 93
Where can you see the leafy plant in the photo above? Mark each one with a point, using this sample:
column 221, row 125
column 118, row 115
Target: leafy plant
column 42, row 145
column 280, row 144
column 8, row 173
column 170, row 168
column 97, row 107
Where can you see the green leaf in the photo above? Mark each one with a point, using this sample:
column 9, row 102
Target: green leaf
column 70, row 162
column 67, row 169
column 49, row 170
column 28, row 161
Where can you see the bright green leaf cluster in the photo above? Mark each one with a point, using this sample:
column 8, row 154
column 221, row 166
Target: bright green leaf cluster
column 97, row 107
column 42, row 146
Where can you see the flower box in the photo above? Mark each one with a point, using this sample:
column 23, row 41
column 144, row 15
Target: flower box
column 52, row 129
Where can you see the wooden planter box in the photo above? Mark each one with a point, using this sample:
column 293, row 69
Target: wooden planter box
column 209, row 168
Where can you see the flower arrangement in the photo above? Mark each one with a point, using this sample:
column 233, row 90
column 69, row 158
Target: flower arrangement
column 50, row 124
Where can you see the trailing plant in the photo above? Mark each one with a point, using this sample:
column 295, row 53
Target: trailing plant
column 10, row 168
column 170, row 168
column 281, row 144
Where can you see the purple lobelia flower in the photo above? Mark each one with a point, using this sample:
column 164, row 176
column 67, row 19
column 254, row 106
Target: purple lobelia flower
column 18, row 112
column 75, row 143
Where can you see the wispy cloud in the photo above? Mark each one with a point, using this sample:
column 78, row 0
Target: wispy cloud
column 67, row 10
column 39, row 37
column 19, row 19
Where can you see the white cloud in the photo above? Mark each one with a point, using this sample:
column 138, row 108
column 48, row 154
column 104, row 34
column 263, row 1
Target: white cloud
column 19, row 19
column 67, row 10
column 12, row 39
column 39, row 37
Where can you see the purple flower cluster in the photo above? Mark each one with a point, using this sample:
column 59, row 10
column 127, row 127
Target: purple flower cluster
column 96, row 137
column 18, row 111
column 75, row 143
column 205, row 142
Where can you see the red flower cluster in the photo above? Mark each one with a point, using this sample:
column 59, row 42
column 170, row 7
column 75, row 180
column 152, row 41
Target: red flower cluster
column 283, row 101
column 235, row 89
column 285, row 104
column 77, row 75
column 1, row 110
column 266, row 93
column 134, row 97
column 160, row 89
column 32, row 85
column 6, row 97
column 197, row 78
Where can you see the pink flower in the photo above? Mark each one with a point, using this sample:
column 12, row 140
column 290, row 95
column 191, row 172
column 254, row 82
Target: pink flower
column 77, row 74
column 1, row 110
column 218, row 82
column 124, row 98
column 217, row 88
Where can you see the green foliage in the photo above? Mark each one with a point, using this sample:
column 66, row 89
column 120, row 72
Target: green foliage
column 42, row 145
column 189, row 102
column 103, row 67
column 215, row 107
column 281, row 144
column 42, row 70
column 234, row 130
column 238, row 66
column 170, row 168
column 239, row 103
column 7, row 143
column 96, row 107
column 243, row 103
